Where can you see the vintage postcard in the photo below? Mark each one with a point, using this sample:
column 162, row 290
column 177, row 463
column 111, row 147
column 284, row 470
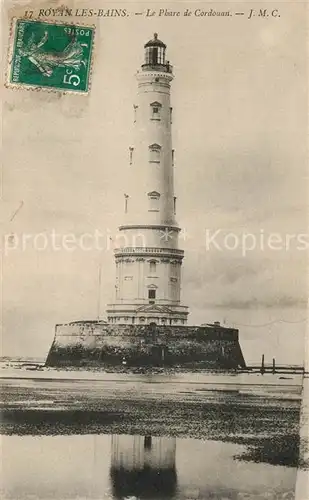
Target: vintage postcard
column 154, row 250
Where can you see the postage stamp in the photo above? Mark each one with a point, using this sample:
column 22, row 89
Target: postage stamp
column 50, row 55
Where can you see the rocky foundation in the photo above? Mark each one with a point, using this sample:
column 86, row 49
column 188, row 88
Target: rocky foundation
column 97, row 343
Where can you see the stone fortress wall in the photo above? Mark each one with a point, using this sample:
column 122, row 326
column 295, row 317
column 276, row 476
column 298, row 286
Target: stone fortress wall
column 97, row 343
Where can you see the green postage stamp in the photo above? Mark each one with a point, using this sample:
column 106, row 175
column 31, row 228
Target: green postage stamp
column 54, row 56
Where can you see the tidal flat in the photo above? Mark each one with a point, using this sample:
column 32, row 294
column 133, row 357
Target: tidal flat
column 154, row 437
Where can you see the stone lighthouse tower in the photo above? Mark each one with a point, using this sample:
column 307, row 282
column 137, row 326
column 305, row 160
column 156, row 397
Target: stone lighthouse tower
column 148, row 260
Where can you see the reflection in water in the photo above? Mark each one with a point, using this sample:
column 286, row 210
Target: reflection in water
column 143, row 467
column 114, row 467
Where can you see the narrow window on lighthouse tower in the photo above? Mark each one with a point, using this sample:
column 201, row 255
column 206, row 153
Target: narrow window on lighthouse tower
column 135, row 111
column 131, row 155
column 151, row 296
column 154, row 153
column 175, row 199
column 171, row 115
column 126, row 198
column 173, row 157
column 153, row 201
column 155, row 113
column 152, row 266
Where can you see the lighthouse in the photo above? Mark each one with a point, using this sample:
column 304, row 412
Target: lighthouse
column 148, row 259
column 147, row 323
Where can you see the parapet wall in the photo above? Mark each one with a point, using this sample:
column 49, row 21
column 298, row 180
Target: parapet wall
column 92, row 343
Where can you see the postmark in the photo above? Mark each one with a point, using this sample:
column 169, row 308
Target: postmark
column 50, row 55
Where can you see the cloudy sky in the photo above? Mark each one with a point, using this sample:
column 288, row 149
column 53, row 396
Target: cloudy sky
column 240, row 136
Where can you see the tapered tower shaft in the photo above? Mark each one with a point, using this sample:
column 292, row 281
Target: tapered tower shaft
column 148, row 262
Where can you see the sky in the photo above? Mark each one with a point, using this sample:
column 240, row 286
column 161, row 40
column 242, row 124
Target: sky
column 240, row 136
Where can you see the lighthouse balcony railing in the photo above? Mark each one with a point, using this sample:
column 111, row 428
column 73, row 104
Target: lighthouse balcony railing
column 165, row 68
column 126, row 306
column 126, row 250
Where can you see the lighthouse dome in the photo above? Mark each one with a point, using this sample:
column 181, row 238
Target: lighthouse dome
column 155, row 42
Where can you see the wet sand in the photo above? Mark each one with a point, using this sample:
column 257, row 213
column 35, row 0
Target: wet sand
column 158, row 405
column 258, row 421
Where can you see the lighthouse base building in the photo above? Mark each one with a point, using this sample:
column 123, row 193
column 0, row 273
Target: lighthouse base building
column 147, row 321
column 99, row 344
